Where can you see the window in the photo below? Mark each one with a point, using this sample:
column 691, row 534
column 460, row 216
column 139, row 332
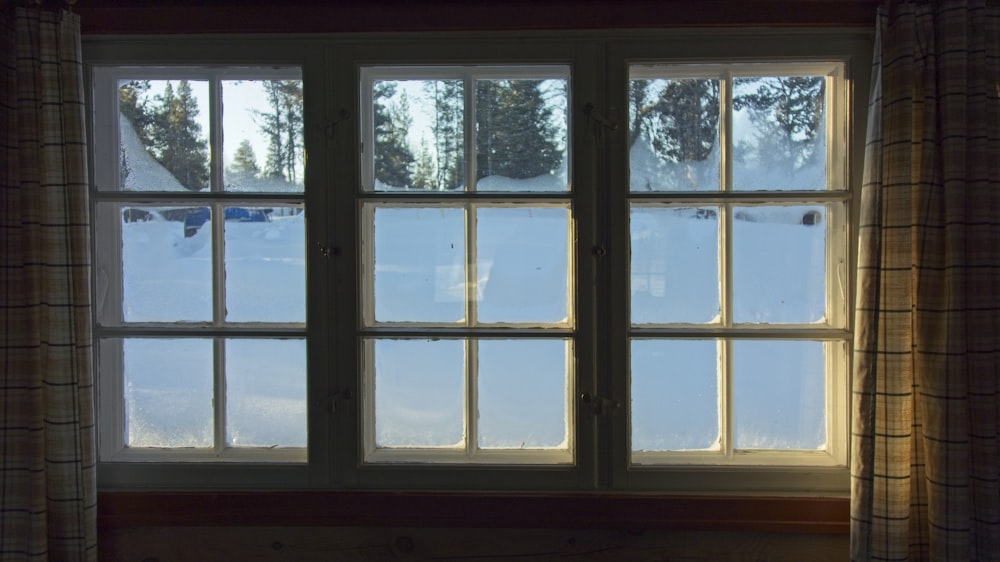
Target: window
column 601, row 262
column 737, row 212
column 200, row 236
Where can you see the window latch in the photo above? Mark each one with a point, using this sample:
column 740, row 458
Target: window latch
column 600, row 404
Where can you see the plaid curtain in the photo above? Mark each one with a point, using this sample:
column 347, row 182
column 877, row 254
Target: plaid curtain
column 926, row 427
column 47, row 458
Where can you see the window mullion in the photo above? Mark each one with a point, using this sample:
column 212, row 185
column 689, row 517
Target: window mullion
column 725, row 345
column 219, row 394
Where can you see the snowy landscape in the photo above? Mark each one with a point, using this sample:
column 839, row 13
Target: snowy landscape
column 522, row 271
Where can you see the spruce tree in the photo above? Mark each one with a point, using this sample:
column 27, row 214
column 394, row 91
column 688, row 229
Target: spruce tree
column 515, row 136
column 687, row 115
column 391, row 121
column 177, row 143
column 423, row 174
column 244, row 168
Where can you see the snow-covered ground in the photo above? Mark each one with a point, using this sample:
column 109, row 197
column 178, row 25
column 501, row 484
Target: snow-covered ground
column 522, row 272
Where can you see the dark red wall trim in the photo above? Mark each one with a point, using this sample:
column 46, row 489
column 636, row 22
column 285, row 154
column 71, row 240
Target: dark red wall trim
column 313, row 16
column 472, row 510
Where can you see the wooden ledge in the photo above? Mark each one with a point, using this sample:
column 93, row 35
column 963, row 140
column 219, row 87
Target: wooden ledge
column 340, row 508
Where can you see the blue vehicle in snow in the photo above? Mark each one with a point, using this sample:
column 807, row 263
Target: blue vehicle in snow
column 195, row 218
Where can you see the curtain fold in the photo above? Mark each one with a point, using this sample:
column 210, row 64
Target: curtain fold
column 47, row 456
column 926, row 445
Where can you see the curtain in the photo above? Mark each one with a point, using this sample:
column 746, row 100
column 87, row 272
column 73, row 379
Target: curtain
column 925, row 464
column 47, row 457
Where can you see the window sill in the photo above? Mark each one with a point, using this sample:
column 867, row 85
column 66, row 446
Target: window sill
column 474, row 510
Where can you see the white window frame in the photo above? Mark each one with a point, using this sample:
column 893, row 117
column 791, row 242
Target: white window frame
column 832, row 330
column 110, row 329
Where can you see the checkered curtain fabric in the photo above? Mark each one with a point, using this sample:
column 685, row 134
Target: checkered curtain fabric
column 47, row 459
column 926, row 427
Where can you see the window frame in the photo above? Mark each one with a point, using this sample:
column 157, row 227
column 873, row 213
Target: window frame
column 595, row 58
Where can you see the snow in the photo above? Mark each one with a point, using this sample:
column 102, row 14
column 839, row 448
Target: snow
column 522, row 272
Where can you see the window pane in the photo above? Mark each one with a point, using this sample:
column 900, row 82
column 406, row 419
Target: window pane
column 263, row 144
column 675, row 400
column 419, row 134
column 522, row 394
column 166, row 264
column 419, row 393
column 168, row 392
column 778, row 395
column 779, row 133
column 674, row 264
column 674, row 134
column 163, row 135
column 419, row 269
column 265, row 264
column 522, row 262
column 265, row 393
column 779, row 264
column 521, row 135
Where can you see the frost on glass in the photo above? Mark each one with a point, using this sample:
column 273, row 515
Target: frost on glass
column 779, row 264
column 779, row 133
column 522, row 394
column 163, row 135
column 168, row 392
column 522, row 264
column 418, row 135
column 265, row 393
column 419, row 392
column 778, row 395
column 166, row 264
column 265, row 264
column 521, row 135
column 674, row 134
column 674, row 269
column 674, row 390
column 263, row 146
column 419, row 264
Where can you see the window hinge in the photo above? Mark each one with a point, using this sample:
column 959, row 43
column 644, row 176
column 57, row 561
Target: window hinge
column 600, row 404
column 330, row 128
column 336, row 396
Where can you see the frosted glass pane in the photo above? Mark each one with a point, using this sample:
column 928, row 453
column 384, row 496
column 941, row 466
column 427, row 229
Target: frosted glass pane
column 265, row 393
column 166, row 264
column 674, row 265
column 265, row 264
column 521, row 135
column 419, row 132
column 779, row 133
column 262, row 146
column 522, row 394
column 163, row 135
column 419, row 269
column 778, row 395
column 522, row 261
column 779, row 264
column 674, row 134
column 419, row 393
column 675, row 402
column 168, row 392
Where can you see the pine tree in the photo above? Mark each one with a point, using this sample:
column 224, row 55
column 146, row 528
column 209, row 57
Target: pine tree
column 282, row 126
column 686, row 116
column 391, row 120
column 787, row 113
column 244, row 168
column 176, row 137
column 449, row 133
column 515, row 136
column 424, row 176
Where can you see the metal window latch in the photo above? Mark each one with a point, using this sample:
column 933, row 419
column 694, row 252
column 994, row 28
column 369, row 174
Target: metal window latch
column 600, row 404
column 327, row 251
